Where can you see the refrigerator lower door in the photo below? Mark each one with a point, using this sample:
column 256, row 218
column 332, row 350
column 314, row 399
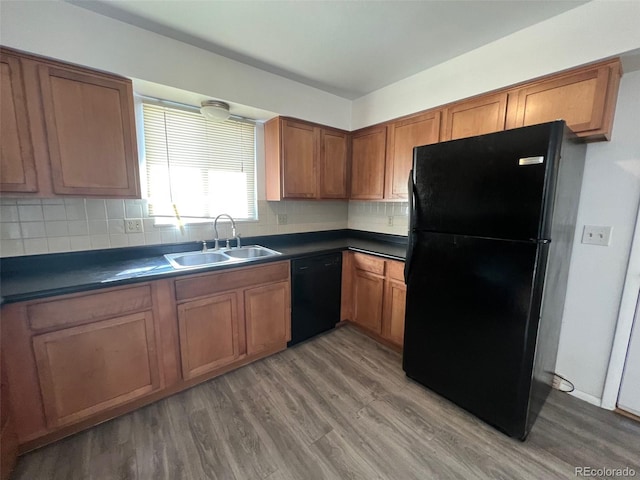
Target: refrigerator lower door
column 468, row 331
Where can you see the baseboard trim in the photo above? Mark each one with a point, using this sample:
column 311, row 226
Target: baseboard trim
column 586, row 397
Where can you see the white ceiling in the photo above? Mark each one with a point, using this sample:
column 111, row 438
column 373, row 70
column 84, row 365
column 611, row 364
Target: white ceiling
column 348, row 48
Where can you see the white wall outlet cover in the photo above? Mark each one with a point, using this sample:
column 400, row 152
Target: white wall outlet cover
column 597, row 235
column 133, row 226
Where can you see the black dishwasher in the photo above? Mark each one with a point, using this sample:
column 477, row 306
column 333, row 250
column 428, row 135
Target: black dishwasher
column 315, row 295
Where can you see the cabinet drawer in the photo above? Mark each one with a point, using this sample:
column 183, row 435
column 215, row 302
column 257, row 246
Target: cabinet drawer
column 88, row 308
column 395, row 270
column 211, row 283
column 368, row 263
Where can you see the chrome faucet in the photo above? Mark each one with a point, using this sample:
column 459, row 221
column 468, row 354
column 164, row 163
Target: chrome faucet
column 233, row 231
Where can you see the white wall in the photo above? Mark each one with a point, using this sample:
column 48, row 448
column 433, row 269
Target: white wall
column 584, row 34
column 74, row 34
column 610, row 196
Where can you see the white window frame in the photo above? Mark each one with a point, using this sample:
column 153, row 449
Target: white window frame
column 252, row 197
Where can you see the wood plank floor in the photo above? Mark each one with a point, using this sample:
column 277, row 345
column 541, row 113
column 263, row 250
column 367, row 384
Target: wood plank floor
column 337, row 407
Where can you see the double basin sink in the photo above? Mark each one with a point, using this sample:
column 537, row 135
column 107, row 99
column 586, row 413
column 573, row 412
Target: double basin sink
column 219, row 257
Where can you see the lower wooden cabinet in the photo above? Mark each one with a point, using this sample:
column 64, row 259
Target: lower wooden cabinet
column 208, row 334
column 368, row 290
column 395, row 299
column 89, row 368
column 8, row 437
column 76, row 360
column 268, row 316
column 374, row 295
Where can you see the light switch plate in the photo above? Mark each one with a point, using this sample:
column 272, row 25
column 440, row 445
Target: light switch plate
column 597, row 235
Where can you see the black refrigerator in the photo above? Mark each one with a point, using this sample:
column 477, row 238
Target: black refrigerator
column 492, row 221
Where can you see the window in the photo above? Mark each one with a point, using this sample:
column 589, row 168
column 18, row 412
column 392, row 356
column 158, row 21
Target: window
column 204, row 168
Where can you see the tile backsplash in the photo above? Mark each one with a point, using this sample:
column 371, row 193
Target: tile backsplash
column 381, row 217
column 34, row 226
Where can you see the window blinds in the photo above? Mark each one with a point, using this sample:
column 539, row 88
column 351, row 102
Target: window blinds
column 205, row 168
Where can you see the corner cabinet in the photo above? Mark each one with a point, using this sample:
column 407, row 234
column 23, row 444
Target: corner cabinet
column 305, row 160
column 374, row 296
column 66, row 130
column 368, row 151
column 402, row 136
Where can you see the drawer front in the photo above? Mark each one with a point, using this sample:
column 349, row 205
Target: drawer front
column 368, row 263
column 88, row 308
column 395, row 270
column 208, row 284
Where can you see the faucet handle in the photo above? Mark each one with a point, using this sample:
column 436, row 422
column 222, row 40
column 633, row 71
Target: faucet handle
column 204, row 246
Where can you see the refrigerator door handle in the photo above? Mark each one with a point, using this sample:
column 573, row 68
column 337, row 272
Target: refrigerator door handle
column 411, row 196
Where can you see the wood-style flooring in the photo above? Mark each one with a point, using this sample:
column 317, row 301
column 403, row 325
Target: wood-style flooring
column 336, row 407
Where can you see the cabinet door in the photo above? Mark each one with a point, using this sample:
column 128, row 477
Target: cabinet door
column 367, row 163
column 403, row 137
column 8, row 437
column 585, row 100
column 268, row 316
column 395, row 297
column 84, row 370
column 299, row 147
column 367, row 300
column 475, row 117
column 208, row 334
column 90, row 133
column 17, row 165
column 333, row 164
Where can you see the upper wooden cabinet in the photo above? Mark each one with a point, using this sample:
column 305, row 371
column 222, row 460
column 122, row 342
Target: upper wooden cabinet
column 334, row 164
column 66, row 130
column 17, row 164
column 402, row 137
column 478, row 116
column 305, row 161
column 368, row 150
column 585, row 98
column 90, row 133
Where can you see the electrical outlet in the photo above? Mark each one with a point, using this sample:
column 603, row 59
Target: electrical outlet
column 282, row 219
column 133, row 225
column 390, row 221
column 596, row 235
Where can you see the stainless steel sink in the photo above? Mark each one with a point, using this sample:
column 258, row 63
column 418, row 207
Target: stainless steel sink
column 217, row 257
column 198, row 258
column 250, row 252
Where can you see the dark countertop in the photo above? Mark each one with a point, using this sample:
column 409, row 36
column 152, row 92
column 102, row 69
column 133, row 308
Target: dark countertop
column 39, row 276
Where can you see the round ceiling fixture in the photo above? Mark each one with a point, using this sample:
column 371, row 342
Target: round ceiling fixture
column 215, row 110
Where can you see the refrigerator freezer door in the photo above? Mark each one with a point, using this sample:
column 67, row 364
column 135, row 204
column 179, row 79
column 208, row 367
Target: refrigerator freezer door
column 468, row 335
column 490, row 186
